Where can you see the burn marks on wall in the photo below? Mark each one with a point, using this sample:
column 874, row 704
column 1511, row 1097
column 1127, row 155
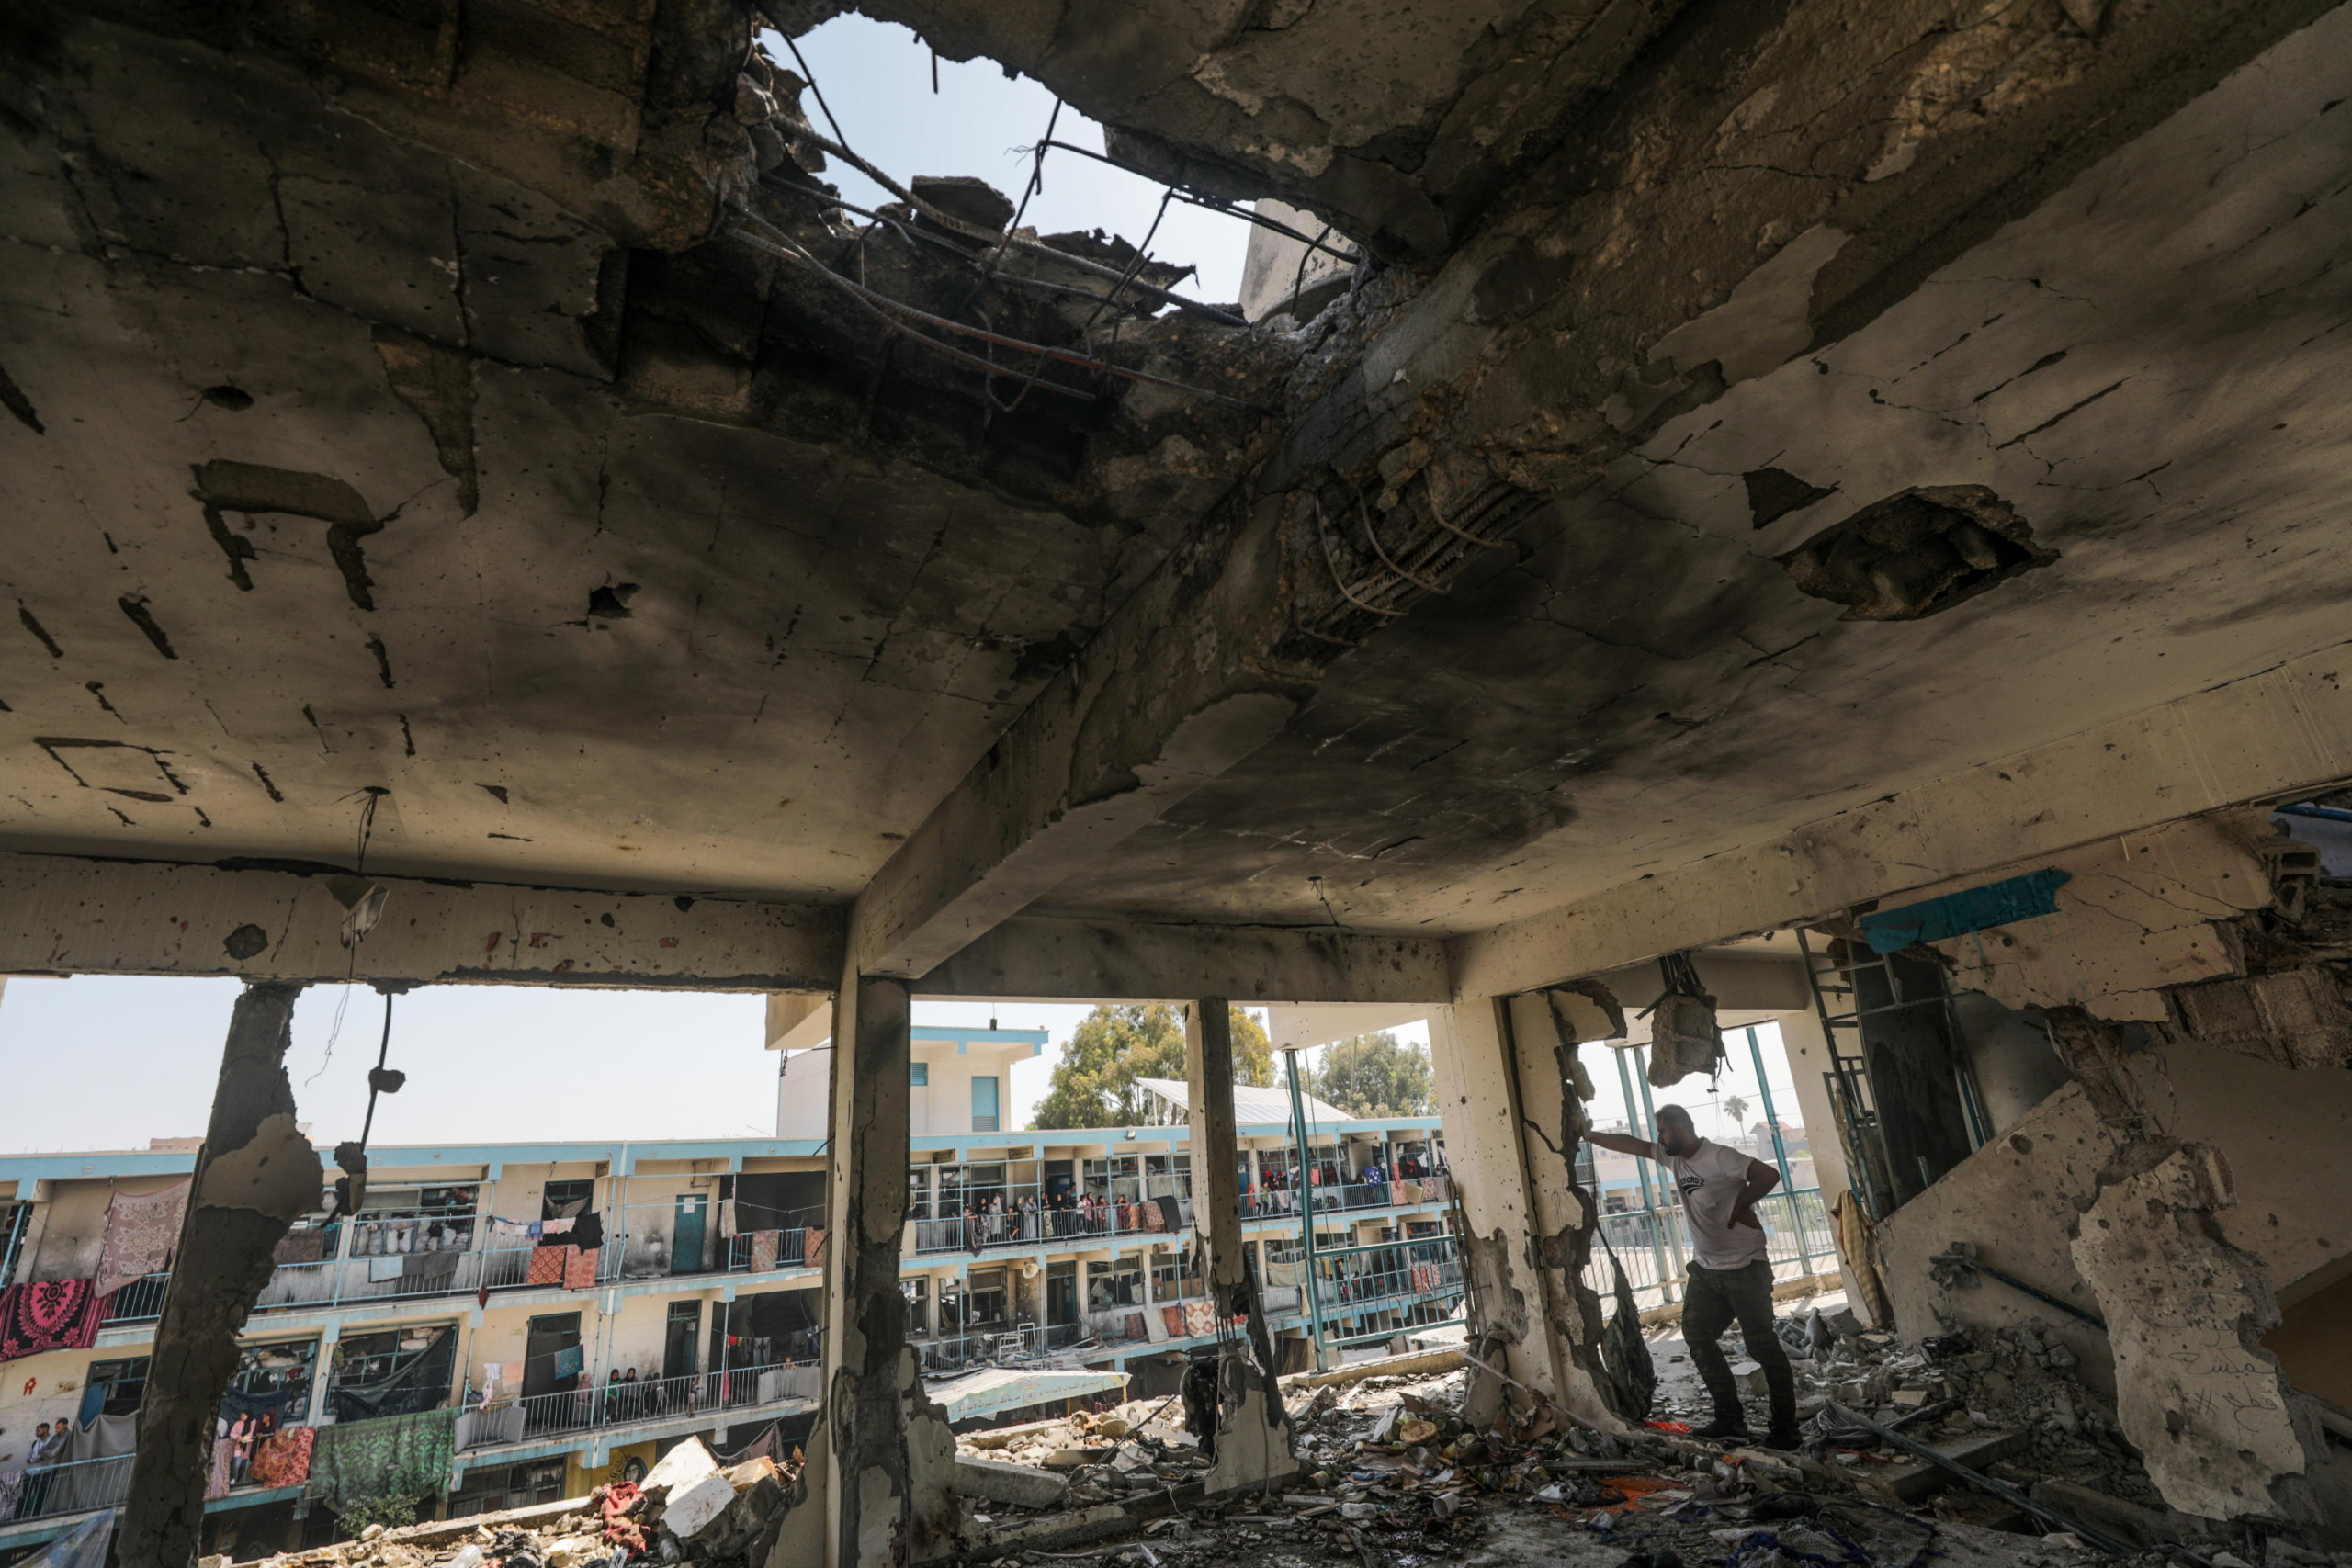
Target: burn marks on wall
column 1916, row 553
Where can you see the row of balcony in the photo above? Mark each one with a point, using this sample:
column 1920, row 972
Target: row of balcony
column 590, row 1407
column 642, row 1244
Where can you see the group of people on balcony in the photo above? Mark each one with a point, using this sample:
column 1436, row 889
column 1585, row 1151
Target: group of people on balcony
column 997, row 1222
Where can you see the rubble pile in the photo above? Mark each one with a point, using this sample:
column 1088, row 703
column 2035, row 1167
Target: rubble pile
column 689, row 1510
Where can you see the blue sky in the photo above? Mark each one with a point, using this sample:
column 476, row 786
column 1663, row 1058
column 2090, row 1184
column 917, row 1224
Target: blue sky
column 876, row 78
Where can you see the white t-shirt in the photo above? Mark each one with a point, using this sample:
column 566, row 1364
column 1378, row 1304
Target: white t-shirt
column 1711, row 1178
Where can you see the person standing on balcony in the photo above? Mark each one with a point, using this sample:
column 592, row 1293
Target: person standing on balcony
column 1029, row 1218
column 1731, row 1275
column 241, row 1446
column 47, row 1451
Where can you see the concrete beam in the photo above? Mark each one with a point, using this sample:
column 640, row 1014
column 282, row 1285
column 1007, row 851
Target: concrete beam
column 1055, row 793
column 61, row 914
column 2281, row 733
column 1047, row 956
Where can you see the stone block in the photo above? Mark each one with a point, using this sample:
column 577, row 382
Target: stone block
column 681, row 1468
column 1917, row 1479
column 1002, row 1481
column 693, row 1506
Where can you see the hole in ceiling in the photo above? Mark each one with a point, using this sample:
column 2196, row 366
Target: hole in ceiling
column 236, row 399
column 1916, row 553
column 611, row 602
column 1773, row 493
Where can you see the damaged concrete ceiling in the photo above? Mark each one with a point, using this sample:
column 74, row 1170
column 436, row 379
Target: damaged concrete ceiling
column 392, row 415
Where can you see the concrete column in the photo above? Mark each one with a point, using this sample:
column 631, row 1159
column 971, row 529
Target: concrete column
column 1253, row 1443
column 256, row 1175
column 889, row 1451
column 1511, row 1128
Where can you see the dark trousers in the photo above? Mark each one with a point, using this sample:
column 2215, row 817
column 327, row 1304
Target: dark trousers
column 1712, row 1299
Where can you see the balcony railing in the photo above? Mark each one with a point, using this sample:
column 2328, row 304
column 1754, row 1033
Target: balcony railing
column 1004, row 1346
column 77, row 1486
column 1654, row 1244
column 595, row 1405
column 1017, row 1225
column 640, row 1244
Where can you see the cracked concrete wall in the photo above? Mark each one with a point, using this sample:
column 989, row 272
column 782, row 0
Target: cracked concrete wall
column 1512, row 1097
column 2136, row 916
column 2023, row 1198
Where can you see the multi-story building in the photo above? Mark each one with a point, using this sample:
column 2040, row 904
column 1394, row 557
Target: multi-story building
column 458, row 1285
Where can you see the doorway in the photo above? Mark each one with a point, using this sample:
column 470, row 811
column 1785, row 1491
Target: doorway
column 687, row 1232
column 678, row 1344
column 1061, row 1293
column 552, row 1365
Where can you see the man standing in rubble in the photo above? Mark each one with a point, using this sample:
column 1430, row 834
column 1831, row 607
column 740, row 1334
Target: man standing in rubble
column 1730, row 1275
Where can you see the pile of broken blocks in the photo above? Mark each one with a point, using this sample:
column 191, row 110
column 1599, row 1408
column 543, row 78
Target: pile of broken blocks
column 688, row 1510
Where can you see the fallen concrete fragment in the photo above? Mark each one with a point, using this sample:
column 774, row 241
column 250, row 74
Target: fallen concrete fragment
column 1001, row 1481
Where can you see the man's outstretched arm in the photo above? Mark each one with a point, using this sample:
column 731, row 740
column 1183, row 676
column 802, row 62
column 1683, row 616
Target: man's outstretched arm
column 1623, row 1145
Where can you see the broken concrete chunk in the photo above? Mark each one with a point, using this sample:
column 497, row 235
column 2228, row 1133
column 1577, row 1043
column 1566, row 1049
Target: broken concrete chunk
column 1071, row 1459
column 974, row 201
column 1001, row 1481
column 681, row 1468
column 693, row 1506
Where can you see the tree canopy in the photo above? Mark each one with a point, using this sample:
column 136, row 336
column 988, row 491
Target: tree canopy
column 1374, row 1075
column 1094, row 1082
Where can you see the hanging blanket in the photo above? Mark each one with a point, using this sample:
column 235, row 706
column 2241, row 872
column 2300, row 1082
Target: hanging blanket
column 1174, row 1317
column 141, row 1233
column 815, row 1248
column 1171, row 1215
column 392, row 1455
column 580, row 1268
column 1200, row 1318
column 47, row 1314
column 422, row 1271
column 763, row 1246
column 301, row 1247
column 547, row 1264
column 284, row 1457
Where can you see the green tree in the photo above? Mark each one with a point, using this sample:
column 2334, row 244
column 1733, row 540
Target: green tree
column 1374, row 1075
column 1095, row 1083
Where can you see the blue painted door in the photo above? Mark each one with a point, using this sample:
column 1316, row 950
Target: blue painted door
column 686, row 1234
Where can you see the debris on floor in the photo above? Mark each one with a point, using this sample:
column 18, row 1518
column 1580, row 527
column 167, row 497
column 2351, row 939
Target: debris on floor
column 688, row 1510
column 1392, row 1476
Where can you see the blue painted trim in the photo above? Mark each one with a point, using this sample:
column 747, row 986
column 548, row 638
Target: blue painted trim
column 935, row 1033
column 1956, row 914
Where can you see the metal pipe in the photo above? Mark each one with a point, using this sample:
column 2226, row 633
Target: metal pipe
column 1649, row 1195
column 1780, row 1146
column 1307, row 1297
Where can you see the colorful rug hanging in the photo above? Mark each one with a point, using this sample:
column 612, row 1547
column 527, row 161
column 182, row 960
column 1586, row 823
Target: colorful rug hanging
column 580, row 1266
column 47, row 1314
column 547, row 1264
column 142, row 1230
column 764, row 1250
column 284, row 1458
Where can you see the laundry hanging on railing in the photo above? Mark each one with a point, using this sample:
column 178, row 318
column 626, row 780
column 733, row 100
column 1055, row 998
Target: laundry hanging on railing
column 399, row 1456
column 301, row 1247
column 47, row 1314
column 429, row 1271
column 103, row 1436
column 283, row 1459
column 142, row 1230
